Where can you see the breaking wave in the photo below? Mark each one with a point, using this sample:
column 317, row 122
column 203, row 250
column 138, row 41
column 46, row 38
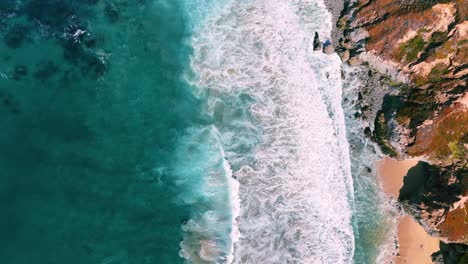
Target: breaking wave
column 276, row 107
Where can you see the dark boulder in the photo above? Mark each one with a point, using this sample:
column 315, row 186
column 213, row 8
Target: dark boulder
column 317, row 42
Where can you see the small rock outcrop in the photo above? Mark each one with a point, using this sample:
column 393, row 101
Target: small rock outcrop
column 317, row 43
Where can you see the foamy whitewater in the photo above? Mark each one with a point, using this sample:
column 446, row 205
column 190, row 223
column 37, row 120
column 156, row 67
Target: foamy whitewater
column 277, row 113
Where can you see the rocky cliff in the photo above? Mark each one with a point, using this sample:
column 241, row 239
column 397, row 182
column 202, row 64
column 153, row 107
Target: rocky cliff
column 417, row 52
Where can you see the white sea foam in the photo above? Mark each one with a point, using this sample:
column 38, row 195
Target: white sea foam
column 235, row 206
column 205, row 178
column 296, row 189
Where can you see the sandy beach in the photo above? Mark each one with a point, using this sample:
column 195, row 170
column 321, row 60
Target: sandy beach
column 415, row 245
column 392, row 172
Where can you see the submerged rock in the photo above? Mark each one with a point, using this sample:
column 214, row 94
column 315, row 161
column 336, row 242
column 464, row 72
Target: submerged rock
column 19, row 72
column 8, row 102
column 45, row 70
column 112, row 12
column 15, row 36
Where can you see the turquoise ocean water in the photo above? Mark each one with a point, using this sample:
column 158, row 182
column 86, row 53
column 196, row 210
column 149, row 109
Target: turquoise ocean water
column 152, row 131
column 102, row 153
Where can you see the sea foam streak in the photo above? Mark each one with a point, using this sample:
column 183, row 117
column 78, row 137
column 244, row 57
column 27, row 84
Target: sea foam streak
column 209, row 189
column 295, row 186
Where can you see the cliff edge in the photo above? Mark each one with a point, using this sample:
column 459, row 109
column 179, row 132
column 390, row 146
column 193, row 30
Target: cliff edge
column 417, row 50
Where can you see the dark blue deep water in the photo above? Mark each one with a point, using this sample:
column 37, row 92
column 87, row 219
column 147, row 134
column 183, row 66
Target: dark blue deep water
column 93, row 103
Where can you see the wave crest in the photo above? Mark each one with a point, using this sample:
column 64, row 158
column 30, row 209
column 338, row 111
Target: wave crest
column 286, row 139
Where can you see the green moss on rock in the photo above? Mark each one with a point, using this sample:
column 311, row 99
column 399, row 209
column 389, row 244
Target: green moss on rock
column 381, row 135
column 410, row 50
column 439, row 37
column 457, row 150
column 438, row 72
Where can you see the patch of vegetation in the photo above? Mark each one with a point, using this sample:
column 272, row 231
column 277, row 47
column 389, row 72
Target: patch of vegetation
column 462, row 42
column 385, row 79
column 381, row 135
column 441, row 53
column 457, row 150
column 411, row 49
column 418, row 113
column 464, row 259
column 405, row 89
column 449, row 47
column 446, row 140
column 390, row 82
column 382, row 131
column 420, row 80
column 439, row 37
column 418, row 106
column 421, row 96
column 436, row 74
column 394, row 84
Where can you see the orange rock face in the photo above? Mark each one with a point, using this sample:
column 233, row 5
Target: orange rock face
column 427, row 43
column 440, row 137
column 455, row 225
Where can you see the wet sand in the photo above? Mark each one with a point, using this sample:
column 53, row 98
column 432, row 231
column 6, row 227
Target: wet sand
column 415, row 245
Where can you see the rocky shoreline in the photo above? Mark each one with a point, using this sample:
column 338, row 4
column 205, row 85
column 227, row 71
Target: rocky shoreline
column 413, row 102
column 335, row 7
